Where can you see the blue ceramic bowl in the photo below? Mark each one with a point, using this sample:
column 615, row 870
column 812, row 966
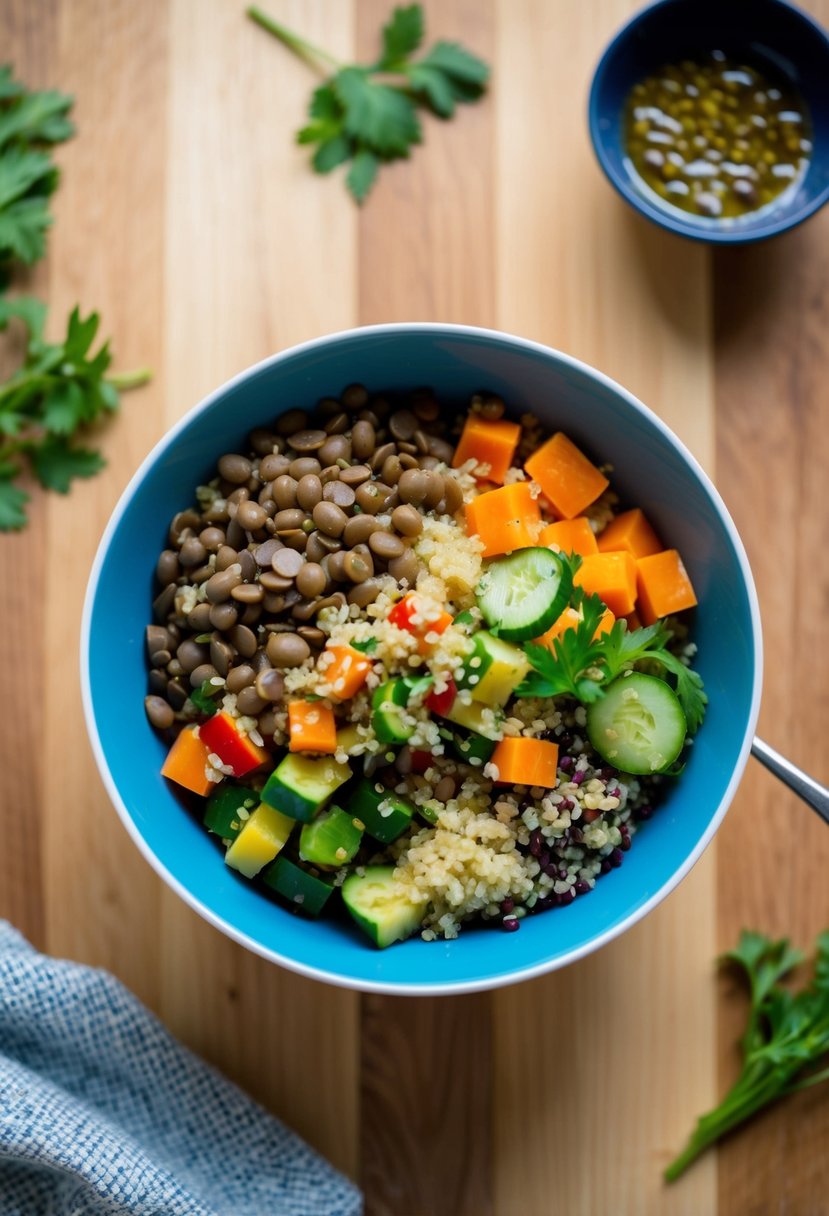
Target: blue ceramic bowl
column 652, row 469
column 767, row 34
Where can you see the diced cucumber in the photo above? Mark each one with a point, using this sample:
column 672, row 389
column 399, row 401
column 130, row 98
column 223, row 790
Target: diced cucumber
column 638, row 725
column 302, row 888
column 476, row 717
column 332, row 839
column 428, row 813
column 259, row 841
column 472, row 748
column 300, row 786
column 387, row 712
column 221, row 815
column 386, row 825
column 523, row 594
column 494, row 669
column 380, row 907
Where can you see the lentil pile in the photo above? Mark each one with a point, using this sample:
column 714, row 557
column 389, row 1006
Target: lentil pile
column 337, row 661
column 716, row 138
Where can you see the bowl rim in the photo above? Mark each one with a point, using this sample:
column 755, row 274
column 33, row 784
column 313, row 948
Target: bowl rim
column 438, row 329
column 664, row 219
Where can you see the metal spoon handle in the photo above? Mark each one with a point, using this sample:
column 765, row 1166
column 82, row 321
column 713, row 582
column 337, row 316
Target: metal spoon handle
column 804, row 786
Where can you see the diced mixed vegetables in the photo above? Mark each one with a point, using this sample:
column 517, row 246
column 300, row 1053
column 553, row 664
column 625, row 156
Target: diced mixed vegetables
column 420, row 670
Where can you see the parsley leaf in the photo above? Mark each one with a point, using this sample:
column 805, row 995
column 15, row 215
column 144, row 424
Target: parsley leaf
column 367, row 647
column 203, row 698
column 369, row 121
column 786, row 1038
column 56, row 463
column 12, row 501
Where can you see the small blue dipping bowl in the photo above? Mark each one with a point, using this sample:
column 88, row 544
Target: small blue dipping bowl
column 771, row 35
column 652, row 470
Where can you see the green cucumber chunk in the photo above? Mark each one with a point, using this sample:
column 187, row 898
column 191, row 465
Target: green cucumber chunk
column 494, row 669
column 472, row 748
column 332, row 839
column 521, row 596
column 303, row 889
column 300, row 786
column 221, row 815
column 638, row 725
column 386, row 825
column 387, row 716
column 380, row 909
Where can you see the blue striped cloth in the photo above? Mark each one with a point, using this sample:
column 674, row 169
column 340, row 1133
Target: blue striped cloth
column 103, row 1112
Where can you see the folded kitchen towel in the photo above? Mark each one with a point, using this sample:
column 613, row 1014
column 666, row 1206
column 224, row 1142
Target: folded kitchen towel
column 103, row 1112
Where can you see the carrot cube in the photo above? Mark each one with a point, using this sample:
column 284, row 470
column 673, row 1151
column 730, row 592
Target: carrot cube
column 524, row 761
column 630, row 531
column 569, row 619
column 565, row 475
column 347, row 674
column 611, row 576
column 488, row 442
column 505, row 519
column 664, row 586
column 312, row 727
column 571, row 536
column 186, row 763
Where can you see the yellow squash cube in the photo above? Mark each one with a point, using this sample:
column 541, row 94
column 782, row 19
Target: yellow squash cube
column 262, row 837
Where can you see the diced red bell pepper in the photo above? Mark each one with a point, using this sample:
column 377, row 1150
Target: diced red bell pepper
column 441, row 702
column 401, row 616
column 421, row 761
column 402, row 613
column 222, row 737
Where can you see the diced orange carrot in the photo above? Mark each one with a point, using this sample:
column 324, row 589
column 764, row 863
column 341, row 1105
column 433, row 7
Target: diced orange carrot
column 488, row 442
column 571, row 536
column 569, row 619
column 664, row 586
column 565, row 475
column 505, row 519
column 347, row 674
column 523, row 761
column 186, row 763
column 611, row 576
column 312, row 727
column 630, row 531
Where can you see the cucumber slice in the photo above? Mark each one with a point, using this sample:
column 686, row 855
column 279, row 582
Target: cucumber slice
column 380, row 909
column 472, row 748
column 494, row 669
column 263, row 835
column 638, row 725
column 332, row 839
column 386, row 825
column 523, row 594
column 303, row 889
column 300, row 786
column 387, row 706
column 221, row 815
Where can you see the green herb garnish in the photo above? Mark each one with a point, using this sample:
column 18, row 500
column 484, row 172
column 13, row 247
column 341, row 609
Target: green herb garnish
column 203, row 698
column 787, row 1036
column 367, row 113
column 59, row 390
column 30, row 124
column 581, row 665
column 367, row 647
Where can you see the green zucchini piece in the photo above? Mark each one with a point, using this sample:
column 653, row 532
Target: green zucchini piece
column 387, row 706
column 221, row 815
column 382, row 911
column 300, row 786
column 385, row 826
column 472, row 748
column 332, row 839
column 638, row 725
column 301, row 887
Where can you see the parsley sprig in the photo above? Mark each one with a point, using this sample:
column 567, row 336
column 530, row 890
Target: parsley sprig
column 59, row 390
column 31, row 123
column 785, row 1040
column 581, row 665
column 367, row 113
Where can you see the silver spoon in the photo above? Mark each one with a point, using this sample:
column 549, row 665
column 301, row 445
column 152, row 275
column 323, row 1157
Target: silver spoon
column 804, row 786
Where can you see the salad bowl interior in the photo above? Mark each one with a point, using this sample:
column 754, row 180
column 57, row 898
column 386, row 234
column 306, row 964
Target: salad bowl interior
column 651, row 469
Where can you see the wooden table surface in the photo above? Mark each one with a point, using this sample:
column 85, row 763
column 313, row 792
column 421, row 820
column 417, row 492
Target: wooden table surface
column 190, row 219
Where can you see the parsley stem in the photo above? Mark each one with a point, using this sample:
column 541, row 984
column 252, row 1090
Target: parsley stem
column 127, row 380
column 306, row 50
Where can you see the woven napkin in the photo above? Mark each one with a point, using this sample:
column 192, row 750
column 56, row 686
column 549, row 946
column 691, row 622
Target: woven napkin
column 103, row 1112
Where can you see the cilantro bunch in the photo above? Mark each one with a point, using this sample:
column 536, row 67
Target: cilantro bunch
column 785, row 1040
column 30, row 124
column 581, row 665
column 367, row 113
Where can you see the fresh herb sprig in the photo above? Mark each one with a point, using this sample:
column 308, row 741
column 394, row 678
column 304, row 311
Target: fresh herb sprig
column 59, row 391
column 367, row 113
column 785, row 1041
column 31, row 123
column 581, row 665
